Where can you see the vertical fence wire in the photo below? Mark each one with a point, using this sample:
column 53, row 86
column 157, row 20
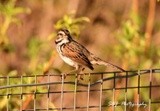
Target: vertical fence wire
column 101, row 90
column 62, row 91
column 138, row 92
column 88, row 91
column 8, row 82
column 35, row 91
column 75, row 91
column 21, row 96
column 48, row 94
column 114, row 88
column 126, row 85
column 150, row 89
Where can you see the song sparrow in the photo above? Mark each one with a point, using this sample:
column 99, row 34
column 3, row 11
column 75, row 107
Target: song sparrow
column 75, row 54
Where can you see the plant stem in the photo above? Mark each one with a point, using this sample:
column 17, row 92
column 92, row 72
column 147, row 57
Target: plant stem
column 150, row 22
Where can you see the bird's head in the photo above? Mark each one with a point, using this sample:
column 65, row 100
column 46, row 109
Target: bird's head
column 63, row 36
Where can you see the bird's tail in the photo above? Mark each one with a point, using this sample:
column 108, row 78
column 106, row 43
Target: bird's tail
column 98, row 61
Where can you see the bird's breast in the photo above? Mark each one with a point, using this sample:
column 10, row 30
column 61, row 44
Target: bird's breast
column 64, row 58
column 68, row 61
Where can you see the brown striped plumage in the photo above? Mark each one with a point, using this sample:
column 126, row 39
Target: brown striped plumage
column 78, row 54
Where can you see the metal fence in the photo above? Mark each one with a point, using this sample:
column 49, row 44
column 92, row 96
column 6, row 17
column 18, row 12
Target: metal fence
column 102, row 91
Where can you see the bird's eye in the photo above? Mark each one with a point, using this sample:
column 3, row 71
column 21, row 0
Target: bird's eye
column 60, row 34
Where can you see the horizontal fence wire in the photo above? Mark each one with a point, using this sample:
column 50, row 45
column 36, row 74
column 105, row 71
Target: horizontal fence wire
column 102, row 91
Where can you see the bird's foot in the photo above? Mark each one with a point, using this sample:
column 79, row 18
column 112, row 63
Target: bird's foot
column 64, row 76
column 80, row 77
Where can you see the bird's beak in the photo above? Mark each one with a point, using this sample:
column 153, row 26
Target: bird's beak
column 58, row 41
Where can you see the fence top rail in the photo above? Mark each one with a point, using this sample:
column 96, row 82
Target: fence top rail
column 115, row 76
column 144, row 71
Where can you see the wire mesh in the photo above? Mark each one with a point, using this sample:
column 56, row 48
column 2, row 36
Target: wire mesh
column 102, row 91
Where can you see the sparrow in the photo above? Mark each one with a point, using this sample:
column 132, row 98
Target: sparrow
column 76, row 55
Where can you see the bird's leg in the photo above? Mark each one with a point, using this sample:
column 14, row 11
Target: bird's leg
column 79, row 70
column 72, row 71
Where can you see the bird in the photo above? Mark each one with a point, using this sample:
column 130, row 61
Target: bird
column 76, row 55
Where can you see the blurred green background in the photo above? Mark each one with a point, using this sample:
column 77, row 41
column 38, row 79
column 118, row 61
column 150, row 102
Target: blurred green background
column 125, row 33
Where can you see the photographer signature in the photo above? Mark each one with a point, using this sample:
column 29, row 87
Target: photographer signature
column 130, row 104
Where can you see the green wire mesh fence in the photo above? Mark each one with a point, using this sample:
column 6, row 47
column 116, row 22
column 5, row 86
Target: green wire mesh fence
column 102, row 91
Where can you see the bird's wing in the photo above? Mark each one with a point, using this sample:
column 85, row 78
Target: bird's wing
column 74, row 51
